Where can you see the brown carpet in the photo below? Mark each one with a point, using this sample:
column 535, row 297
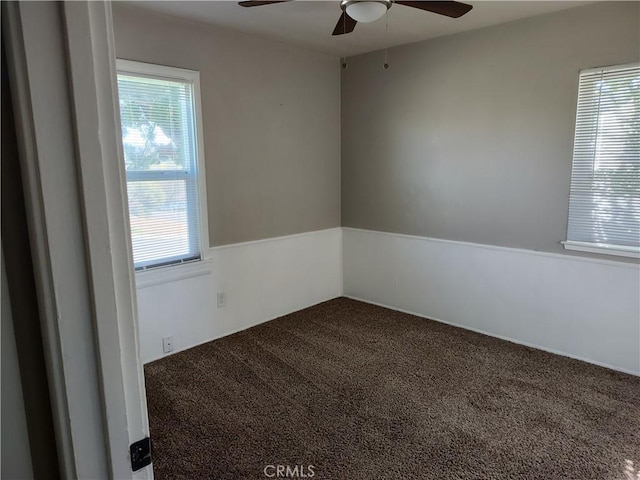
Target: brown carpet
column 361, row 393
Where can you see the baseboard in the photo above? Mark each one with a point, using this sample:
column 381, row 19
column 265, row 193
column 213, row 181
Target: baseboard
column 237, row 330
column 582, row 308
column 262, row 280
column 501, row 337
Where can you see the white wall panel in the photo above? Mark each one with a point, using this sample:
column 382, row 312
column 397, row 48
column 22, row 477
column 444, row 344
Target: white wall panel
column 262, row 280
column 579, row 307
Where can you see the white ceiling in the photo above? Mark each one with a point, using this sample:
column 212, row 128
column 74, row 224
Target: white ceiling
column 310, row 23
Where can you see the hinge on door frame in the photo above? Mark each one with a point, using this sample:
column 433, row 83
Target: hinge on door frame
column 140, row 453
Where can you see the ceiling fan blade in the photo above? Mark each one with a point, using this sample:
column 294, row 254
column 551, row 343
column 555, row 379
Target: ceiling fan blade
column 256, row 3
column 449, row 9
column 345, row 24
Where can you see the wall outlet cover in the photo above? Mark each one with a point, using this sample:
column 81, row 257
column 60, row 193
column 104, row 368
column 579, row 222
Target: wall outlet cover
column 222, row 299
column 167, row 344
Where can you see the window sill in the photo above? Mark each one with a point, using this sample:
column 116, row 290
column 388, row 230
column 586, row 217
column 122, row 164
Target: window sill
column 602, row 249
column 173, row 273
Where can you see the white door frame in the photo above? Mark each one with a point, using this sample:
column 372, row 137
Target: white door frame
column 61, row 58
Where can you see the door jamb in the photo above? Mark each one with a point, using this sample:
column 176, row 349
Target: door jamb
column 90, row 69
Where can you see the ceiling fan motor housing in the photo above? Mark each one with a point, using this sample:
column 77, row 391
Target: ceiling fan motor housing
column 365, row 10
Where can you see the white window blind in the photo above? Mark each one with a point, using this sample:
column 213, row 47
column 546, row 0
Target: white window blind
column 604, row 206
column 161, row 159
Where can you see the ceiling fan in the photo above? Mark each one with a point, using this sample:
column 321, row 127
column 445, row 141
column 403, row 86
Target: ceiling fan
column 354, row 11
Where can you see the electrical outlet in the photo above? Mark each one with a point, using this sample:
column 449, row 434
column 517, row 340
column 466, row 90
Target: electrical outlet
column 167, row 344
column 222, row 299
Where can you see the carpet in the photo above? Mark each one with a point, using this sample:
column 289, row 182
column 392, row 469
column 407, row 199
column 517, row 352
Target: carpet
column 351, row 391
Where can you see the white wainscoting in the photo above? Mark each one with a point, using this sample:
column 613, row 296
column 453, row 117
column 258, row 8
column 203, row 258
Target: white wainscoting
column 582, row 308
column 262, row 280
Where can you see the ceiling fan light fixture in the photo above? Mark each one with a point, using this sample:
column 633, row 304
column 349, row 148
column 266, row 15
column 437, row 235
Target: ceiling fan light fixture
column 366, row 11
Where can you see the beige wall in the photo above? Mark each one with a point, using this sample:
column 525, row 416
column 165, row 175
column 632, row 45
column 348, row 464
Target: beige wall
column 271, row 117
column 470, row 137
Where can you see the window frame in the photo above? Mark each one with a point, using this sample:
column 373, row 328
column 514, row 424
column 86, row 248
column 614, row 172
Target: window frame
column 163, row 72
column 589, row 247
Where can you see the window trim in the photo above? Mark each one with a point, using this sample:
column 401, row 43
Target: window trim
column 589, row 247
column 606, row 249
column 163, row 72
column 608, row 68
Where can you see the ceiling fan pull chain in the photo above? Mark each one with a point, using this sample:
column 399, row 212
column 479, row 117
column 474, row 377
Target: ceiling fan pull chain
column 344, row 29
column 386, row 33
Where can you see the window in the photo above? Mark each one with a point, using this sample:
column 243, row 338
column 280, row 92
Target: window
column 604, row 206
column 159, row 113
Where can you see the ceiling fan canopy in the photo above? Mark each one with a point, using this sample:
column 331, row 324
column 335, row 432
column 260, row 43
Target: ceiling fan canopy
column 354, row 11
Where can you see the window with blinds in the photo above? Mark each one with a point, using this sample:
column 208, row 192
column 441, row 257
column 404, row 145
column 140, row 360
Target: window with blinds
column 160, row 142
column 604, row 205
